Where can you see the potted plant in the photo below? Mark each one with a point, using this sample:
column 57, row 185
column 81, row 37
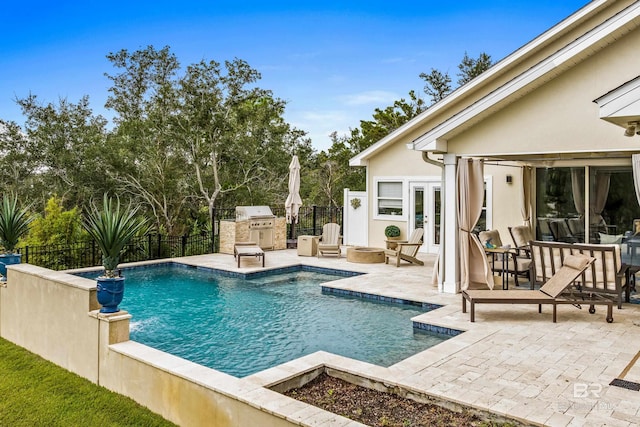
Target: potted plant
column 392, row 232
column 14, row 223
column 112, row 227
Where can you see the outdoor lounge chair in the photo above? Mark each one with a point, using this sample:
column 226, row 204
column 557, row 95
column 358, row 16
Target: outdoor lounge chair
column 247, row 249
column 553, row 292
column 406, row 250
column 518, row 263
column 329, row 243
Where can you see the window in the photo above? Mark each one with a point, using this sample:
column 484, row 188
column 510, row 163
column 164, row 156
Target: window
column 563, row 204
column 389, row 198
column 484, row 222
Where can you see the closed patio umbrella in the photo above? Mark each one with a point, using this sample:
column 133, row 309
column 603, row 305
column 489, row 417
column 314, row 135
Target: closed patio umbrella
column 293, row 203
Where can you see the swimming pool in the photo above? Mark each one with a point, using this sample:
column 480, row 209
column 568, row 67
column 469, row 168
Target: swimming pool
column 242, row 326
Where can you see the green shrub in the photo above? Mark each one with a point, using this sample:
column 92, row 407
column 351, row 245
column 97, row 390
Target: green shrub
column 392, row 231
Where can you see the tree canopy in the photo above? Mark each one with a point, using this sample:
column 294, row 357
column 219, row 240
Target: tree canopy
column 184, row 140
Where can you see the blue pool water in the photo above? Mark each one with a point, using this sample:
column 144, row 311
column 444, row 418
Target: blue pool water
column 242, row 326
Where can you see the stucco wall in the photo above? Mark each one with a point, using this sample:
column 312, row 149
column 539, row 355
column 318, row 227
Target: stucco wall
column 184, row 392
column 561, row 115
column 46, row 312
column 506, row 200
column 395, row 161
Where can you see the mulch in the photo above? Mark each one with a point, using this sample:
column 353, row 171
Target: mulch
column 376, row 408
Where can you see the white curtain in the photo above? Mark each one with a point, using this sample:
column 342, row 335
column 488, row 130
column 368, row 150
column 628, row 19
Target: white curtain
column 635, row 163
column 603, row 180
column 474, row 268
column 525, row 208
column 577, row 188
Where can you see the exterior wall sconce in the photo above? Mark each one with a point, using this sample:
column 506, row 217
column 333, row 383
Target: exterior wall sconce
column 509, row 179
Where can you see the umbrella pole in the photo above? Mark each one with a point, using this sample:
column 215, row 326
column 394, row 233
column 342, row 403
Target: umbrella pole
column 291, row 241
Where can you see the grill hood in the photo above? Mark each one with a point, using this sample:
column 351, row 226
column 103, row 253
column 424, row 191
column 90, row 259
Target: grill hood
column 244, row 213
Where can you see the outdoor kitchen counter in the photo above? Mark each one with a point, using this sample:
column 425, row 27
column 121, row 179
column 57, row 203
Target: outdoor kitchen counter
column 238, row 231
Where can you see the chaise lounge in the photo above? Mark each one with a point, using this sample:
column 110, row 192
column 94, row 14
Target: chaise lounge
column 553, row 292
column 245, row 249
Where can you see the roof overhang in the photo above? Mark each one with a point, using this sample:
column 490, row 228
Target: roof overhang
column 361, row 159
column 621, row 106
column 534, row 77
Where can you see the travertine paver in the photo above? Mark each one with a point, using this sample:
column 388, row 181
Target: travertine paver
column 512, row 360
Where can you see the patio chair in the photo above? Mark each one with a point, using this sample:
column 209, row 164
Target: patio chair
column 518, row 263
column 406, row 250
column 329, row 243
column 553, row 292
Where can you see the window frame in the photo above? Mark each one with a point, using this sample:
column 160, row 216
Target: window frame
column 403, row 198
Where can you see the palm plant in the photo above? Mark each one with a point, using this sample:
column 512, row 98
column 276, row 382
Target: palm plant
column 14, row 223
column 112, row 227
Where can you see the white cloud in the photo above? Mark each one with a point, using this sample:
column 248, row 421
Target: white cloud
column 371, row 97
column 319, row 124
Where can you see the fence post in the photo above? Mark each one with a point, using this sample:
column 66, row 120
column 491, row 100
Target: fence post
column 149, row 250
column 26, row 254
column 314, row 219
column 159, row 244
column 213, row 230
column 184, row 244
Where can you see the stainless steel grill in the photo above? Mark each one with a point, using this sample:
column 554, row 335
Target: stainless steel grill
column 261, row 224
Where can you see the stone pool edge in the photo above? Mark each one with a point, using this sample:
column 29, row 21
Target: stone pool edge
column 283, row 407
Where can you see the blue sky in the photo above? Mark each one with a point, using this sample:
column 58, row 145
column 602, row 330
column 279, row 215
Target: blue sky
column 334, row 62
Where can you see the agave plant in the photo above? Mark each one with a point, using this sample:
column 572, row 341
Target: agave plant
column 112, row 227
column 14, row 223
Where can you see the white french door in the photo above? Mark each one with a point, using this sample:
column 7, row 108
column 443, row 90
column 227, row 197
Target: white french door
column 425, row 201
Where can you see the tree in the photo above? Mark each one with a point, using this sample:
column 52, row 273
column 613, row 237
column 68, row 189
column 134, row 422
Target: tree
column 193, row 138
column 234, row 132
column 56, row 226
column 17, row 166
column 64, row 143
column 471, row 68
column 333, row 170
column 438, row 84
column 146, row 160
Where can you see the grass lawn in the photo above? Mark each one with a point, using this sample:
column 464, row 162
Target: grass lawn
column 35, row 392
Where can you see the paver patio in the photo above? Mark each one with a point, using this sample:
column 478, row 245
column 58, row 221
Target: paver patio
column 512, row 360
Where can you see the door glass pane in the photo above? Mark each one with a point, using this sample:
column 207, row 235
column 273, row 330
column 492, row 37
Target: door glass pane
column 418, row 197
column 560, row 199
column 613, row 204
column 437, row 204
column 482, row 221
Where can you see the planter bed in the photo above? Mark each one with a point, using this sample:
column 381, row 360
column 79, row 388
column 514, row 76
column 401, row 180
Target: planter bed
column 375, row 403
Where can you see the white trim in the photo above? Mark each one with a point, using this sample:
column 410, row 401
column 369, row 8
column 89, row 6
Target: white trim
column 621, row 105
column 488, row 182
column 558, row 61
column 405, row 203
column 496, row 70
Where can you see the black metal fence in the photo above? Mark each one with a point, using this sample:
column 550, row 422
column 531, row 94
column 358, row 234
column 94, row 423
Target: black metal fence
column 157, row 246
column 87, row 254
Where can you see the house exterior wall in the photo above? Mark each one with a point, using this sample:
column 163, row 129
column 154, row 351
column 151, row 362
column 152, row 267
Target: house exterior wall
column 561, row 115
column 506, row 200
column 398, row 162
